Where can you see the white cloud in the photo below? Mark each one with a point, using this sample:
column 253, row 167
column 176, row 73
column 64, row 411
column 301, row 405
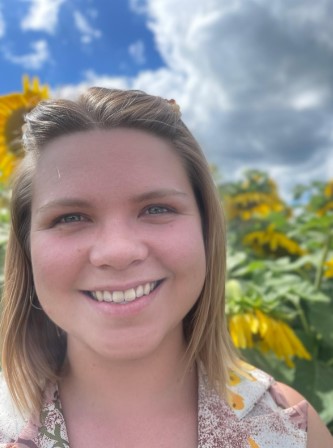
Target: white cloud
column 309, row 99
column 31, row 61
column 257, row 83
column 42, row 16
column 137, row 51
column 253, row 79
column 91, row 79
column 162, row 82
column 88, row 33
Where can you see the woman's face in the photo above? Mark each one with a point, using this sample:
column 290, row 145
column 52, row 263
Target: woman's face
column 116, row 242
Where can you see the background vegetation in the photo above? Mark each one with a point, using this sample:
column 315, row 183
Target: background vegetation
column 280, row 284
column 280, row 265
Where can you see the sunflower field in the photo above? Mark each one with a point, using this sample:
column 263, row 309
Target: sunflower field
column 280, row 282
column 280, row 265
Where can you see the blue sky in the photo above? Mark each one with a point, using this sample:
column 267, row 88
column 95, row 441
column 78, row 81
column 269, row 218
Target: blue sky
column 253, row 78
column 107, row 36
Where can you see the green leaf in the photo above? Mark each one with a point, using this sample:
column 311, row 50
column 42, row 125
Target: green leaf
column 313, row 260
column 250, row 268
column 270, row 364
column 235, row 259
column 320, row 317
column 314, row 380
column 315, row 222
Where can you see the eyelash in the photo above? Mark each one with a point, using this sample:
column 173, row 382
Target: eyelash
column 161, row 207
column 150, row 210
column 62, row 219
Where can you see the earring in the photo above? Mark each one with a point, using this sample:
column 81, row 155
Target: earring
column 32, row 304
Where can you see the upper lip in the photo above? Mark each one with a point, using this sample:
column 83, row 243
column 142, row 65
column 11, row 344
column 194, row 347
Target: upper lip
column 122, row 287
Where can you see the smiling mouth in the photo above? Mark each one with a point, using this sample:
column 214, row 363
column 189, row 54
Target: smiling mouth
column 126, row 296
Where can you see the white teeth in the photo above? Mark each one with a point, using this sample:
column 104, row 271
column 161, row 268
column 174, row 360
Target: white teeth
column 130, row 295
column 99, row 296
column 124, row 296
column 118, row 296
column 107, row 296
column 139, row 291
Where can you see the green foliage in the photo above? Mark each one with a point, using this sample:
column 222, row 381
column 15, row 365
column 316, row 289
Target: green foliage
column 266, row 272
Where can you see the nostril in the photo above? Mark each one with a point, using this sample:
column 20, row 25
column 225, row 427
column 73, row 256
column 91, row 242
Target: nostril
column 119, row 253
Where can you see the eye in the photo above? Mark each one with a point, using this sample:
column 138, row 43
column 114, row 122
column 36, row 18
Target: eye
column 157, row 210
column 70, row 218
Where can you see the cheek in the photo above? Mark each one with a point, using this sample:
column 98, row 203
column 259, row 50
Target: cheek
column 187, row 253
column 51, row 261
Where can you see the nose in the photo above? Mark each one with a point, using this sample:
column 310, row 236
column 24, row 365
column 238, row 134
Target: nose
column 117, row 246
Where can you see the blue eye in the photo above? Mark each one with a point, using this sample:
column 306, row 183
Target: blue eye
column 157, row 210
column 70, row 218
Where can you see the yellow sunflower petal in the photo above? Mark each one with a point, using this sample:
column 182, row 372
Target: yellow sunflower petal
column 13, row 107
column 234, row 332
column 240, row 331
column 262, row 322
column 328, row 191
column 298, row 348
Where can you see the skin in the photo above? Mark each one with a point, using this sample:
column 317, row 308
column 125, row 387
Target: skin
column 115, row 210
column 112, row 218
column 318, row 434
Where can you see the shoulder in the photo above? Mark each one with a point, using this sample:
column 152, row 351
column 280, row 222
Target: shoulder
column 255, row 411
column 271, row 420
column 247, row 387
column 11, row 421
column 317, row 431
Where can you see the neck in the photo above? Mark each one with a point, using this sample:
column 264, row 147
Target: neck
column 159, row 378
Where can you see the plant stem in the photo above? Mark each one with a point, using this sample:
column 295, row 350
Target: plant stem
column 320, row 270
column 303, row 318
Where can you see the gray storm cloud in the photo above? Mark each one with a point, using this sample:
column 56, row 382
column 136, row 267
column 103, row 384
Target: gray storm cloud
column 254, row 80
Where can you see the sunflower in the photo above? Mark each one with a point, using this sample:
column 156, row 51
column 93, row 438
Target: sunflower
column 328, row 207
column 322, row 202
column 257, row 329
column 254, row 197
column 329, row 269
column 328, row 190
column 251, row 204
column 269, row 241
column 13, row 107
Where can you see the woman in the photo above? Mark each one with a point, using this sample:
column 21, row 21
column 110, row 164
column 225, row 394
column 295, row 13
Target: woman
column 113, row 327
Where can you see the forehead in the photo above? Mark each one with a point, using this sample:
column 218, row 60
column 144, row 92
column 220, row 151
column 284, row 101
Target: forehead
column 114, row 142
column 113, row 159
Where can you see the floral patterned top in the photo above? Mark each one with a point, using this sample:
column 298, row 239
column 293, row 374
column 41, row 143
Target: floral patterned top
column 255, row 416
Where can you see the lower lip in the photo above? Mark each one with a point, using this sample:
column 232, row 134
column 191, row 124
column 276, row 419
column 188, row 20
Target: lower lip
column 124, row 308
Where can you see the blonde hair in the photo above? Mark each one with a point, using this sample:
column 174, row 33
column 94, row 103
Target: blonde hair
column 33, row 349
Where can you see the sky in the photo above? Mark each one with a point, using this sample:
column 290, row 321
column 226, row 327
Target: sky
column 253, row 78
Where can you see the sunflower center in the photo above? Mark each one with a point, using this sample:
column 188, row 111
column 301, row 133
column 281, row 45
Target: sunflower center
column 13, row 131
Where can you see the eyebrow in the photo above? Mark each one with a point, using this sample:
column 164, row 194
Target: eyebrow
column 64, row 202
column 158, row 194
column 76, row 202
